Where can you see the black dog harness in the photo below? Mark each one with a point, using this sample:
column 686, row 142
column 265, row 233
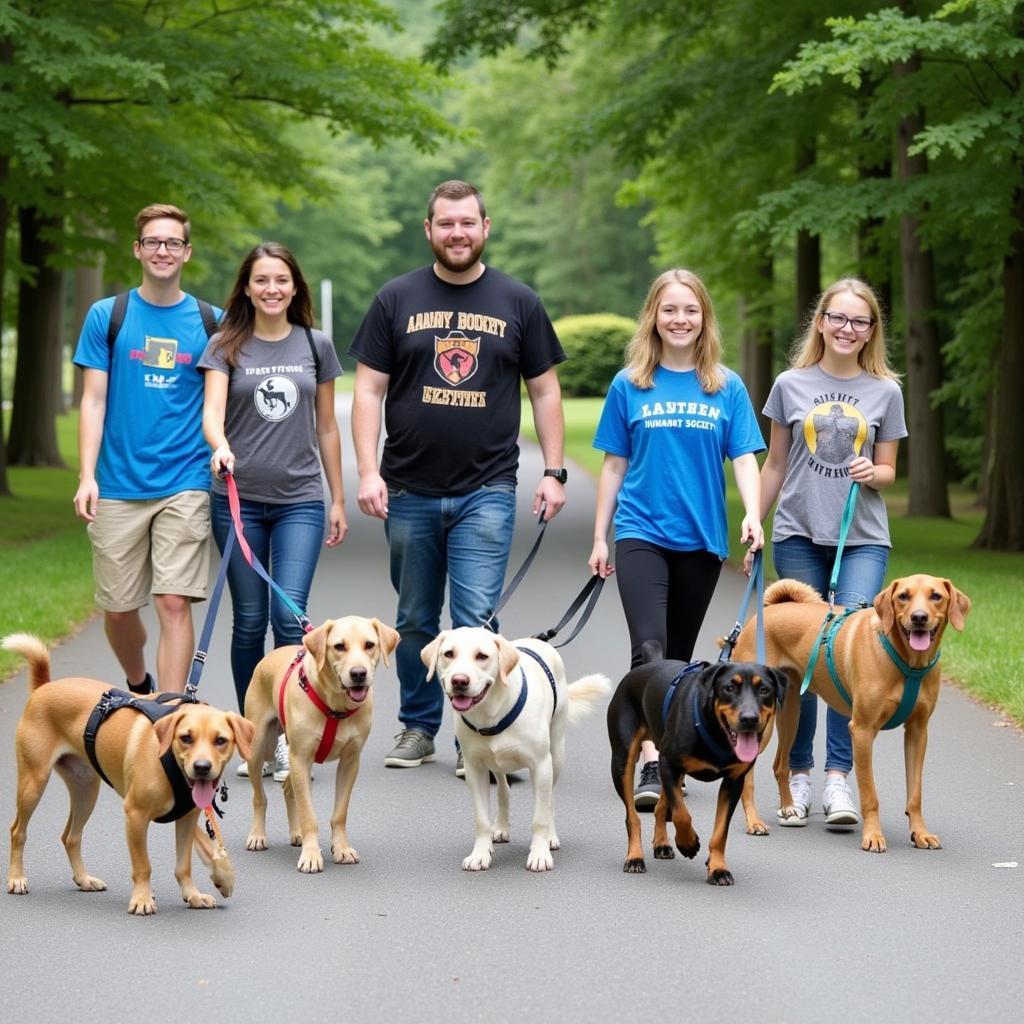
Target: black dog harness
column 154, row 710
column 493, row 730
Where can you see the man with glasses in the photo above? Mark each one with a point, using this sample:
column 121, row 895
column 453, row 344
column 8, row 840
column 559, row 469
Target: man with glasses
column 144, row 467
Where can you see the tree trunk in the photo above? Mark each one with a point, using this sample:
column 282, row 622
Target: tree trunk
column 926, row 456
column 33, row 440
column 758, row 349
column 808, row 253
column 1003, row 529
column 6, row 57
column 88, row 289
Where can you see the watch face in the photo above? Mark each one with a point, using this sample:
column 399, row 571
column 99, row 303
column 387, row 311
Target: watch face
column 561, row 475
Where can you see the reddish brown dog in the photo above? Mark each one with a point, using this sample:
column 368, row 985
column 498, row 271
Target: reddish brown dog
column 128, row 748
column 912, row 613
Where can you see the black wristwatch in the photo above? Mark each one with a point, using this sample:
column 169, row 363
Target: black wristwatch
column 561, row 475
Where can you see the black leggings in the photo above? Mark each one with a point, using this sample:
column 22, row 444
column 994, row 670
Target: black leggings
column 665, row 595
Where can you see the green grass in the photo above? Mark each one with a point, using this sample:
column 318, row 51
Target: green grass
column 987, row 659
column 45, row 560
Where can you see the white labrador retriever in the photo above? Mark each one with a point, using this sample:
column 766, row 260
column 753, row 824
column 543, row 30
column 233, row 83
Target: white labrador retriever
column 511, row 705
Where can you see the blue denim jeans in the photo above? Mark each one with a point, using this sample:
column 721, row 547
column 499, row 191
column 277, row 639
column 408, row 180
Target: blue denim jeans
column 464, row 540
column 861, row 575
column 286, row 539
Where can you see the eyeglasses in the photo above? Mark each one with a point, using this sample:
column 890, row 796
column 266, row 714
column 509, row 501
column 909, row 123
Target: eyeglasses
column 859, row 324
column 174, row 245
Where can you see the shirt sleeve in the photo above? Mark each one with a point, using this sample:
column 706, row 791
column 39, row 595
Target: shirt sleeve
column 612, row 434
column 373, row 343
column 541, row 348
column 894, row 425
column 92, row 351
column 213, row 358
column 330, row 368
column 744, row 432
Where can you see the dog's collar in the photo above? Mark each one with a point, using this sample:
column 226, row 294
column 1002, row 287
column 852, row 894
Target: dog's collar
column 331, row 717
column 493, row 730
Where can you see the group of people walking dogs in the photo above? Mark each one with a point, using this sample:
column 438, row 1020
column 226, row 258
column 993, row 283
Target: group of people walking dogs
column 177, row 392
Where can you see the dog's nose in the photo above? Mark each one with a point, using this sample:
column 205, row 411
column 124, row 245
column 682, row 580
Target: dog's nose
column 460, row 682
column 749, row 722
column 202, row 768
column 357, row 675
column 919, row 619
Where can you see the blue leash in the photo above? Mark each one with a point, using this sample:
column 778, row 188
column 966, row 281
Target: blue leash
column 199, row 658
column 756, row 580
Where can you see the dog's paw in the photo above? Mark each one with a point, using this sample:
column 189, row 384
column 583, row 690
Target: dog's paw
column 344, row 855
column 635, row 866
column 757, row 828
column 720, row 877
column 539, row 858
column 873, row 842
column 478, row 860
column 17, row 886
column 87, row 883
column 925, row 841
column 295, row 839
column 664, row 853
column 554, row 843
column 222, row 874
column 200, row 901
column 311, row 862
column 256, row 843
column 689, row 849
column 142, row 905
column 500, row 835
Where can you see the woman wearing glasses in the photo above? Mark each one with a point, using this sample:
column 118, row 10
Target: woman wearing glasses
column 836, row 417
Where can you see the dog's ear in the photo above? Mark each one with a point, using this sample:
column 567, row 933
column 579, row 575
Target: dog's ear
column 316, row 643
column 884, row 607
column 243, row 730
column 709, row 678
column 780, row 681
column 164, row 729
column 429, row 654
column 508, row 657
column 959, row 606
column 388, row 639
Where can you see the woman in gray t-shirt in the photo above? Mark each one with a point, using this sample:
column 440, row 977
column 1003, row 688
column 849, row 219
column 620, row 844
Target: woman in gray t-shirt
column 268, row 415
column 837, row 416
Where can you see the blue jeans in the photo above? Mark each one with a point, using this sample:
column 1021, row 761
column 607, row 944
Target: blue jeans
column 286, row 539
column 861, row 575
column 464, row 540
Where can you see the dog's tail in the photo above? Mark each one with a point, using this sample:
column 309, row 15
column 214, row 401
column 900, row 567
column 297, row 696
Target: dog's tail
column 34, row 651
column 791, row 590
column 585, row 693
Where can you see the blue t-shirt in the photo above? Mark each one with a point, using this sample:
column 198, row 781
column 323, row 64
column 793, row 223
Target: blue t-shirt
column 153, row 442
column 676, row 437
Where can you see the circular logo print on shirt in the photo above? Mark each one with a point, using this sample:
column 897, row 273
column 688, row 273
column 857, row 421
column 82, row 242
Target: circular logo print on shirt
column 835, row 432
column 276, row 398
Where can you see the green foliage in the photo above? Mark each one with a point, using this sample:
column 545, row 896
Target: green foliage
column 595, row 345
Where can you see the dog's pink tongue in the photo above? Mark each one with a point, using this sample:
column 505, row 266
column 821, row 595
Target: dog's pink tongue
column 746, row 746
column 462, row 702
column 920, row 639
column 202, row 793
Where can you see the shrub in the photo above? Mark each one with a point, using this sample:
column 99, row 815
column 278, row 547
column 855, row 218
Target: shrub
column 595, row 345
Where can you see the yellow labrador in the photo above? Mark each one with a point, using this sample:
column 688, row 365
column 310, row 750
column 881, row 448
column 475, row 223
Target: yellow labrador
column 320, row 695
column 128, row 749
column 511, row 704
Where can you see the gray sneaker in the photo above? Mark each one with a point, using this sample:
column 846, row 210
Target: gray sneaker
column 282, row 761
column 411, row 750
column 648, row 790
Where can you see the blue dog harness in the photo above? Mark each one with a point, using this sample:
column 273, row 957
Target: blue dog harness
column 114, row 700
column 722, row 754
column 493, row 730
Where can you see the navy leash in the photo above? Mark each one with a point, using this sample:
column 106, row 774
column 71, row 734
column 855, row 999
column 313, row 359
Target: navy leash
column 199, row 658
column 590, row 593
column 521, row 572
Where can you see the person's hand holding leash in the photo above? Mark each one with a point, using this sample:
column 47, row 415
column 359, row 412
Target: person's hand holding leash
column 549, row 493
column 222, row 461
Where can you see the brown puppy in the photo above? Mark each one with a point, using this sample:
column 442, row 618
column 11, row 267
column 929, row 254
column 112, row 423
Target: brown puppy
column 912, row 614
column 128, row 748
column 327, row 688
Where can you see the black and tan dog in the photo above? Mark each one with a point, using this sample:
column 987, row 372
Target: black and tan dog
column 707, row 723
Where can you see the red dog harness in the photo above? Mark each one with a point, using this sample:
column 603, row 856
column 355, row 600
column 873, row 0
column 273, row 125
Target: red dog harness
column 332, row 717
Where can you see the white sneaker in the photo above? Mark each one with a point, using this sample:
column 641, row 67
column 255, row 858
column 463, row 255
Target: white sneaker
column 800, row 788
column 242, row 771
column 837, row 801
column 282, row 764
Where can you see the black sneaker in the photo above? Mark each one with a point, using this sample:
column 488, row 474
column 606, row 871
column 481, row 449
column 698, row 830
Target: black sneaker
column 147, row 686
column 648, row 790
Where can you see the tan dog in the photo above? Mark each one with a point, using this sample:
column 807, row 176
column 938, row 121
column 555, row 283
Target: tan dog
column 337, row 661
column 483, row 676
column 128, row 748
column 912, row 613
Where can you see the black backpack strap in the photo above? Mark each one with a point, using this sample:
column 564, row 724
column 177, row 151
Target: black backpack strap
column 313, row 352
column 210, row 322
column 116, row 320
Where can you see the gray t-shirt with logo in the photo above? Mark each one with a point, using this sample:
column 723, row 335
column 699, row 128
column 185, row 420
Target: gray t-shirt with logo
column 270, row 421
column 831, row 422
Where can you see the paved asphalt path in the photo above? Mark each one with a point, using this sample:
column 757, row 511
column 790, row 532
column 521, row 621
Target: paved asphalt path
column 814, row 929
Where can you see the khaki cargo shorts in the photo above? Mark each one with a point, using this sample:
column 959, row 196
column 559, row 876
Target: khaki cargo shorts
column 158, row 546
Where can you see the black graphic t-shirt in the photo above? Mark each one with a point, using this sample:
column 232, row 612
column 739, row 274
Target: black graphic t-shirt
column 455, row 355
